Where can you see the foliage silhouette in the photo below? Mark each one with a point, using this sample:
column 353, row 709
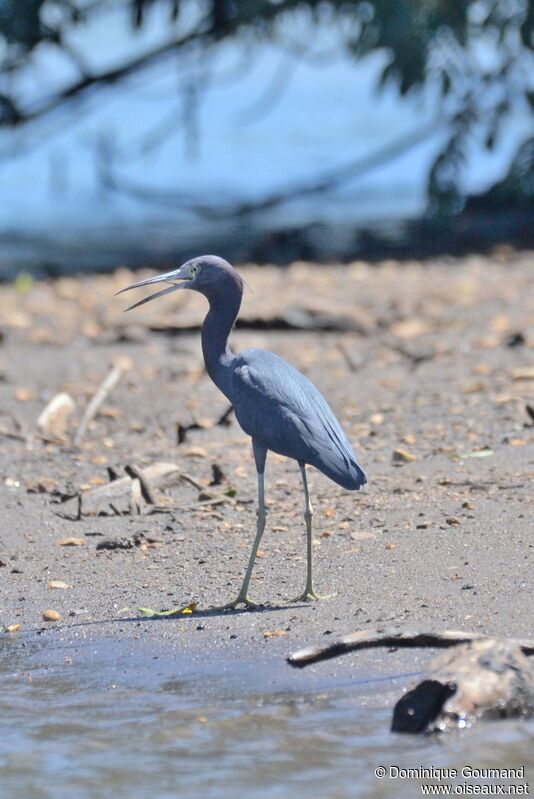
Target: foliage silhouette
column 476, row 55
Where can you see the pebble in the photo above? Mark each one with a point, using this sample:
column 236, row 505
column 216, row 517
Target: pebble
column 57, row 584
column 523, row 373
column 376, row 418
column 196, row 452
column 403, row 456
column 410, row 328
column 12, row 628
column 25, row 394
column 71, row 541
column 51, row 615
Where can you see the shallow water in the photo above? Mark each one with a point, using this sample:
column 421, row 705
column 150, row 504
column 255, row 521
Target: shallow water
column 110, row 720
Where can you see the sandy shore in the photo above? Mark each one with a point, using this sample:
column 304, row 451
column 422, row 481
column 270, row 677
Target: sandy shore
column 431, row 359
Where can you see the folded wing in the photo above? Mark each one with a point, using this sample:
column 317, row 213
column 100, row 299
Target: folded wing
column 284, row 411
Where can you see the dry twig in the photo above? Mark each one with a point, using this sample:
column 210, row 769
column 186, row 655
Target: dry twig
column 117, row 372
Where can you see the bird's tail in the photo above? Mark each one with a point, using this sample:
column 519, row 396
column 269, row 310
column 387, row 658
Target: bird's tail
column 350, row 476
column 358, row 478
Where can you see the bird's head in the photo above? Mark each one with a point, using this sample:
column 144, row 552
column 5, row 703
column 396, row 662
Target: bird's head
column 207, row 274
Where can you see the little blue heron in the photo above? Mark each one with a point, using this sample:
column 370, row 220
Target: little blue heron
column 279, row 408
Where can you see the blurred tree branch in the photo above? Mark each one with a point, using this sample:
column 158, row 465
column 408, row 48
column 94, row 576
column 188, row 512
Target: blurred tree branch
column 89, row 82
column 317, row 185
column 436, row 44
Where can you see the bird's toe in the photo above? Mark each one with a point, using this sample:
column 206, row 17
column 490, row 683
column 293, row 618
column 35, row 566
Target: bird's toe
column 241, row 600
column 310, row 596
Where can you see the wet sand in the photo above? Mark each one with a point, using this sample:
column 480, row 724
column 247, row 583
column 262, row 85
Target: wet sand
column 431, row 359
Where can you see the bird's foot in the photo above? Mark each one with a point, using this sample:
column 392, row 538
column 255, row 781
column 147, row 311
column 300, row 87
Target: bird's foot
column 309, row 595
column 241, row 600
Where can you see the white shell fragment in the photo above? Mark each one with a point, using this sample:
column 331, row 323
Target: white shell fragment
column 54, row 417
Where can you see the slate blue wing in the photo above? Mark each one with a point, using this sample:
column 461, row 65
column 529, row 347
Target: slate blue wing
column 280, row 408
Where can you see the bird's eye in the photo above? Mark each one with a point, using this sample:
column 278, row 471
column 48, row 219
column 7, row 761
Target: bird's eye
column 195, row 269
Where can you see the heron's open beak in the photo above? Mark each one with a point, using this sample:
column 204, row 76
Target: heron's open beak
column 181, row 274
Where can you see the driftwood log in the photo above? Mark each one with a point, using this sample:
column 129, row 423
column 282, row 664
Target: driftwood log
column 137, row 493
column 479, row 678
column 491, row 679
column 133, row 493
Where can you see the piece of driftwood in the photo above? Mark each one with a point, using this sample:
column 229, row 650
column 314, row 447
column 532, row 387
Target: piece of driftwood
column 485, row 679
column 207, row 496
column 480, row 677
column 370, row 639
column 137, row 493
column 135, row 498
column 146, row 488
column 130, row 494
column 120, row 367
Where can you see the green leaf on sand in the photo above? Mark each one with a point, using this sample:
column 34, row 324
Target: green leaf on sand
column 164, row 614
column 478, row 453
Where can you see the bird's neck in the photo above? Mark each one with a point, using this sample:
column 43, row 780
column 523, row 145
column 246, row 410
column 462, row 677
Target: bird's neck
column 216, row 329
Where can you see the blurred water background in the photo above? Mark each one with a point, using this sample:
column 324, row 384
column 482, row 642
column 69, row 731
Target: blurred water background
column 116, row 177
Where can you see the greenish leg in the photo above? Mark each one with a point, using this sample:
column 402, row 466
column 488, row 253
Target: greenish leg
column 243, row 597
column 309, row 594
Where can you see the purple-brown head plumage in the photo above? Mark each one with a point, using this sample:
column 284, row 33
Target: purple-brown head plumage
column 210, row 275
